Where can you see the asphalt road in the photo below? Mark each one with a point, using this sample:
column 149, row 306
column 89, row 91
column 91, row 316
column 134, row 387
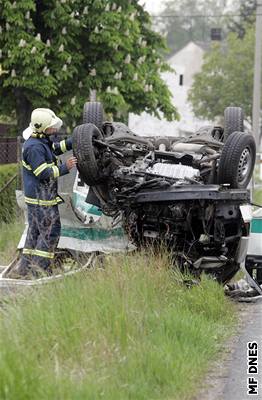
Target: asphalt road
column 236, row 385
column 228, row 379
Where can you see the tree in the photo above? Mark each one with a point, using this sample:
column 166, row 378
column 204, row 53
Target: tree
column 53, row 53
column 226, row 78
column 246, row 17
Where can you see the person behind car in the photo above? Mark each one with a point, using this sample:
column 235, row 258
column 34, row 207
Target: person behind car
column 40, row 173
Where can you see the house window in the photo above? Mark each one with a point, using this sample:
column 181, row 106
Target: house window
column 181, row 78
column 216, row 34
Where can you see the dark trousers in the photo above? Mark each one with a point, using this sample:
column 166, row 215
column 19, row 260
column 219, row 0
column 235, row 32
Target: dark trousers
column 42, row 237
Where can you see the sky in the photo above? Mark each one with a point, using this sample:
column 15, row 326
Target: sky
column 153, row 6
column 156, row 6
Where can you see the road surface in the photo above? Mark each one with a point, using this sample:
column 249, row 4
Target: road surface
column 239, row 382
column 229, row 379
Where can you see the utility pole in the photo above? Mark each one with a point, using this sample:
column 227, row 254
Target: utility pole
column 257, row 75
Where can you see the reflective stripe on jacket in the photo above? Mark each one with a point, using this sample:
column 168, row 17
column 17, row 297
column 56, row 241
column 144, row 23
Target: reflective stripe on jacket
column 41, row 169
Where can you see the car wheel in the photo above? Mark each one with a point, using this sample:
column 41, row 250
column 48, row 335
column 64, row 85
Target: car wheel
column 237, row 160
column 86, row 153
column 93, row 113
column 233, row 121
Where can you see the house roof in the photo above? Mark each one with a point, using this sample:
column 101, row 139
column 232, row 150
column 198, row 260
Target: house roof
column 202, row 45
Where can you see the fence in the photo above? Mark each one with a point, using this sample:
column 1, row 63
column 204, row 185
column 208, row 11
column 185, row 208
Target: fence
column 8, row 150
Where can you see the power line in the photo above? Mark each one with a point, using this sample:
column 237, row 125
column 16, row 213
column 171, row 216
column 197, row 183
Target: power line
column 197, row 16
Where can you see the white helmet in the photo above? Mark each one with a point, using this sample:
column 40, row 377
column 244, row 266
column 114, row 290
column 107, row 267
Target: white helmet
column 43, row 118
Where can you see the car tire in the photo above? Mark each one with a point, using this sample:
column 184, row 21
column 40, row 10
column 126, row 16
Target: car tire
column 233, row 121
column 237, row 160
column 86, row 153
column 93, row 113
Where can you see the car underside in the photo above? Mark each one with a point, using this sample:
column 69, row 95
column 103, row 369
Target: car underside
column 183, row 193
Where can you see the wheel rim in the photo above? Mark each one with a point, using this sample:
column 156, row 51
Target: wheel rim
column 244, row 166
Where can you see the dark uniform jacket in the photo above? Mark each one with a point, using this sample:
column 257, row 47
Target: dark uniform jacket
column 41, row 169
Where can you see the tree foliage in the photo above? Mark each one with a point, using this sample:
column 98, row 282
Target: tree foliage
column 246, row 17
column 226, row 78
column 53, row 53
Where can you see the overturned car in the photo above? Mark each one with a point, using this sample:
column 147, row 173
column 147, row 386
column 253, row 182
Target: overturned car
column 186, row 193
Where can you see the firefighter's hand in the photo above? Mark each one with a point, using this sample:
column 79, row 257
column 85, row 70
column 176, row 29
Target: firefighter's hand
column 71, row 162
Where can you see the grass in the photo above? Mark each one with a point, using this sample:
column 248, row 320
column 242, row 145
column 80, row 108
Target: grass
column 258, row 196
column 8, row 204
column 129, row 331
column 10, row 235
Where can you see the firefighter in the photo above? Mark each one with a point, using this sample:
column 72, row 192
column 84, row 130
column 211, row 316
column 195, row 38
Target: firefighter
column 40, row 173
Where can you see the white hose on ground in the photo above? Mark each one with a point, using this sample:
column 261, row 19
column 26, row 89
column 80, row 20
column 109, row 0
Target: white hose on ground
column 8, row 282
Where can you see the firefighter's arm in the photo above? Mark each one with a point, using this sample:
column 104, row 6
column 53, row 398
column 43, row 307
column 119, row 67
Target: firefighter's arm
column 43, row 170
column 62, row 146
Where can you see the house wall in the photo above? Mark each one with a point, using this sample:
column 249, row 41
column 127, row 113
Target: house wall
column 187, row 62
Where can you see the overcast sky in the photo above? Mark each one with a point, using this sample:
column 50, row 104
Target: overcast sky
column 156, row 6
column 152, row 6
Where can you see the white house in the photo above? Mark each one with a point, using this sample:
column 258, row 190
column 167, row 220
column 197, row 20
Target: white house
column 186, row 63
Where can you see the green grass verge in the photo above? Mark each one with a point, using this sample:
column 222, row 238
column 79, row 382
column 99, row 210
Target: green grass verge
column 258, row 196
column 7, row 197
column 10, row 235
column 11, row 223
column 129, row 331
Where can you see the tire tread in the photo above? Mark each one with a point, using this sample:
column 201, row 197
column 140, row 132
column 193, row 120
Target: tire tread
column 234, row 121
column 93, row 113
column 83, row 136
column 229, row 160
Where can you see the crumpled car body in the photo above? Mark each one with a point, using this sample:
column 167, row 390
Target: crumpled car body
column 184, row 193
